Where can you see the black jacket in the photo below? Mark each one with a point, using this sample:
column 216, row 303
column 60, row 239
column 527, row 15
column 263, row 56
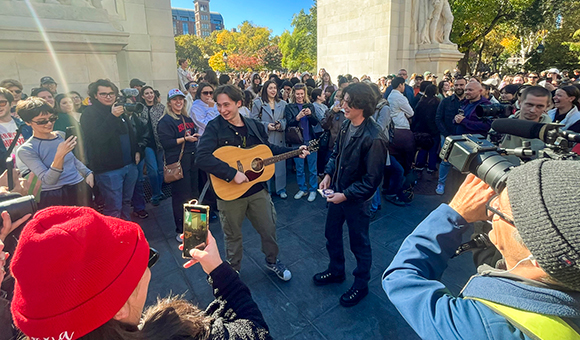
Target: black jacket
column 446, row 112
column 291, row 111
column 358, row 171
column 102, row 131
column 218, row 133
column 235, row 314
column 424, row 118
column 143, row 134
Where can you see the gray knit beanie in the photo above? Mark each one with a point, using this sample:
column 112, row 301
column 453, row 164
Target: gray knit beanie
column 545, row 200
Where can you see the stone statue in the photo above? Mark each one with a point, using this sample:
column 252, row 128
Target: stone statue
column 433, row 21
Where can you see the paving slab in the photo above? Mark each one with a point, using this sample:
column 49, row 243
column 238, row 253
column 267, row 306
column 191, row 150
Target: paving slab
column 298, row 309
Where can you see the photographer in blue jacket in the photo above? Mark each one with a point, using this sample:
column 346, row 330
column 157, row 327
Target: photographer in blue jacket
column 534, row 293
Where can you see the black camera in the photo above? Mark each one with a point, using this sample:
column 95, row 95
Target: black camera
column 474, row 154
column 17, row 206
column 130, row 107
column 494, row 111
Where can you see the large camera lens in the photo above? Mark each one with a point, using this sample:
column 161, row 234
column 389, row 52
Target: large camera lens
column 135, row 108
column 18, row 207
column 493, row 111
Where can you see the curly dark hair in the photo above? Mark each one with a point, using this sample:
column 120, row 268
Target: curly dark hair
column 361, row 97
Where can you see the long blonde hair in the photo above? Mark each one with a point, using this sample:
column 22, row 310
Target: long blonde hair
column 169, row 111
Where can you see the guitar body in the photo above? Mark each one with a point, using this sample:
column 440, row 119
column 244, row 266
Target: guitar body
column 247, row 161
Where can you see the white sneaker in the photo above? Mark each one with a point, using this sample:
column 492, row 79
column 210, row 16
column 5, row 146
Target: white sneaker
column 299, row 195
column 312, row 196
column 283, row 195
column 440, row 189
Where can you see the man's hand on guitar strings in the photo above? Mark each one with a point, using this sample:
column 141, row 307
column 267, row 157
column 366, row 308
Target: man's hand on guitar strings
column 305, row 151
column 240, row 178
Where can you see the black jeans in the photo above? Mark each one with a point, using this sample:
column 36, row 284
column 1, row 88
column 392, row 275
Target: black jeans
column 69, row 195
column 184, row 190
column 357, row 217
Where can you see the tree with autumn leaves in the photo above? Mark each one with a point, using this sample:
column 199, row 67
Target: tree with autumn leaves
column 248, row 48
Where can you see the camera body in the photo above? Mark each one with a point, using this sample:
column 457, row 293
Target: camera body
column 130, row 107
column 475, row 154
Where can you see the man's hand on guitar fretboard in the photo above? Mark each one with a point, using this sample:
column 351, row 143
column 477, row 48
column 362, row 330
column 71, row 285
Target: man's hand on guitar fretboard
column 305, row 151
column 240, row 178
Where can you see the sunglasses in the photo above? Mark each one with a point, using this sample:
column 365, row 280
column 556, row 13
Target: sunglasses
column 3, row 103
column 207, row 93
column 153, row 257
column 17, row 91
column 52, row 119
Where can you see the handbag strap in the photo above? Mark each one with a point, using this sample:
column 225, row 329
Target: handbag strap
column 182, row 145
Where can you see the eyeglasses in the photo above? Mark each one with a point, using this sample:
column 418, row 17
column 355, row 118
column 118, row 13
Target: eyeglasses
column 3, row 103
column 491, row 210
column 207, row 93
column 153, row 257
column 52, row 119
column 107, row 95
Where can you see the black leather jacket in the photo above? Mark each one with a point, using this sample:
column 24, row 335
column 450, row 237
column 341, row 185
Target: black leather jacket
column 218, row 133
column 357, row 172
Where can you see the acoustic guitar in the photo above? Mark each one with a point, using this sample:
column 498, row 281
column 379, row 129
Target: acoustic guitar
column 257, row 163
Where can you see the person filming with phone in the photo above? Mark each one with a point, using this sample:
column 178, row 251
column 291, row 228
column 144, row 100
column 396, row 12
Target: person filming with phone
column 532, row 293
column 100, row 292
column 65, row 179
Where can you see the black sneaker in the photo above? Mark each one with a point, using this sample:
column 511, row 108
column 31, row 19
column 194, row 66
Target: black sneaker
column 141, row 214
column 281, row 271
column 395, row 200
column 353, row 296
column 326, row 277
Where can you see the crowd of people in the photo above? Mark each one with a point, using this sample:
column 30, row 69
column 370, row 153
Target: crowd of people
column 375, row 140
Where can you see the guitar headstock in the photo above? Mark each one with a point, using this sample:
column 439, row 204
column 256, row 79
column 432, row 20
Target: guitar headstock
column 314, row 145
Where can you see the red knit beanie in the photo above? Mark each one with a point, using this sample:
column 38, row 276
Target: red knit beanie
column 74, row 270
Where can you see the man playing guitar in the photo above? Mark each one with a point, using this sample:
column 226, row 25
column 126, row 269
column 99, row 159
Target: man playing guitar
column 232, row 129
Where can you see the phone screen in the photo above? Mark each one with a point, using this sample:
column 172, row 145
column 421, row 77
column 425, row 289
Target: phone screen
column 194, row 227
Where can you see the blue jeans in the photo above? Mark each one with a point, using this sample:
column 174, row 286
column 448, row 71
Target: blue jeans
column 154, row 163
column 432, row 153
column 394, row 178
column 444, row 167
column 301, row 176
column 116, row 187
column 376, row 200
column 138, row 199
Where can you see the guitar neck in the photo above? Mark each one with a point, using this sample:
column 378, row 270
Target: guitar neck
column 282, row 157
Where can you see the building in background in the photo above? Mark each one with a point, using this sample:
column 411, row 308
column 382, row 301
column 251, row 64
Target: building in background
column 199, row 21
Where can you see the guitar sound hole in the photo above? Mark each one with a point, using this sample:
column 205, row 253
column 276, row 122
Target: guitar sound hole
column 257, row 164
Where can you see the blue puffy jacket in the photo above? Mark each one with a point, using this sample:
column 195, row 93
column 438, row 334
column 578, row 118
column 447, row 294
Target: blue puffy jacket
column 412, row 284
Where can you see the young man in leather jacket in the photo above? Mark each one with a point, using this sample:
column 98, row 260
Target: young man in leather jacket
column 354, row 172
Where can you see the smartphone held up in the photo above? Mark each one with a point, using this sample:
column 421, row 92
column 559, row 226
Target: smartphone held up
column 195, row 227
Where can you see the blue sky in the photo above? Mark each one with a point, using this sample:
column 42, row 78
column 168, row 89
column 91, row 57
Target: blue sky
column 275, row 14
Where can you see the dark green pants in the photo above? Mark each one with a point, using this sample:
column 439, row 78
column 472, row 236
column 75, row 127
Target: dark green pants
column 259, row 209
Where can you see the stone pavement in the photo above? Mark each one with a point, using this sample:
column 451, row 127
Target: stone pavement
column 297, row 309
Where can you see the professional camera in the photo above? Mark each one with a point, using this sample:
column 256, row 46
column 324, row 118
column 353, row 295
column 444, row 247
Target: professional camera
column 494, row 111
column 17, row 206
column 474, row 154
column 130, row 107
